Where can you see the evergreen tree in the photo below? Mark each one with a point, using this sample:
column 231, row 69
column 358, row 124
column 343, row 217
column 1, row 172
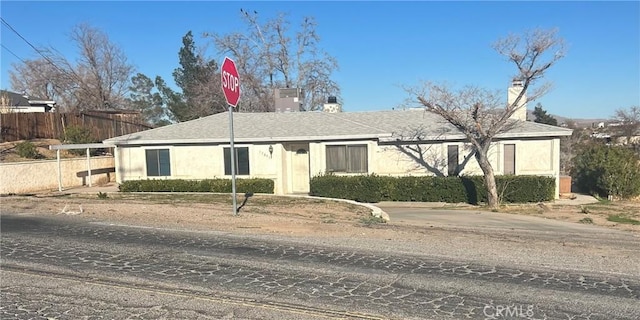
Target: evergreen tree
column 149, row 103
column 199, row 81
column 543, row 117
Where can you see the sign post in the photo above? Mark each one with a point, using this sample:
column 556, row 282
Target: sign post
column 231, row 88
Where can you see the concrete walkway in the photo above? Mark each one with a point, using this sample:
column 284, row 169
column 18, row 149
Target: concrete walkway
column 110, row 187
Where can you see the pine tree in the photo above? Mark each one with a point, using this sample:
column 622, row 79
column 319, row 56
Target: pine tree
column 199, row 82
column 543, row 117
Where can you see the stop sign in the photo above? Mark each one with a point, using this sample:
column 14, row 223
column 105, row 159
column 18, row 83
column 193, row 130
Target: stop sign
column 230, row 81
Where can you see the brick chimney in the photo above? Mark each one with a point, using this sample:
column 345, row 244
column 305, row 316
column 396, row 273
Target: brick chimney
column 512, row 95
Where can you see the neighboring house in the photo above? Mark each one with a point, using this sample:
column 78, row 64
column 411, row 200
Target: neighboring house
column 290, row 148
column 11, row 102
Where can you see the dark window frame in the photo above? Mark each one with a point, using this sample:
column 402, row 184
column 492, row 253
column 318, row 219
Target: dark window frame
column 243, row 164
column 453, row 159
column 350, row 153
column 509, row 164
column 158, row 162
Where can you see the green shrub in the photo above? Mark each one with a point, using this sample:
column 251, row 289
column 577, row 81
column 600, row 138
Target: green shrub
column 607, row 170
column 361, row 188
column 208, row 185
column 519, row 189
column 26, row 149
column 78, row 135
column 373, row 188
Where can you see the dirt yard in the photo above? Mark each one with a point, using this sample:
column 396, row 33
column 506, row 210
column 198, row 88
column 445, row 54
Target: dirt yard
column 278, row 215
column 8, row 151
column 622, row 215
column 260, row 214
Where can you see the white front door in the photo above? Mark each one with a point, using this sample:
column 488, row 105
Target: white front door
column 299, row 154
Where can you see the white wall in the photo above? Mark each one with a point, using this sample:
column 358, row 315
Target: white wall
column 533, row 157
column 21, row 177
column 200, row 162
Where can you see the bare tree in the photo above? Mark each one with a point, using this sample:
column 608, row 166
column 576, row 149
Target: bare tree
column 5, row 104
column 629, row 122
column 412, row 142
column 98, row 79
column 40, row 78
column 570, row 145
column 102, row 67
column 269, row 57
column 481, row 114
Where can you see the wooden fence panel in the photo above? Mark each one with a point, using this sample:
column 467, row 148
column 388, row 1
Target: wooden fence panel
column 26, row 126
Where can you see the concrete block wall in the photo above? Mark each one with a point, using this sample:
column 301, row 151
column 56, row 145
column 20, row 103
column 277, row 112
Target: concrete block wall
column 40, row 175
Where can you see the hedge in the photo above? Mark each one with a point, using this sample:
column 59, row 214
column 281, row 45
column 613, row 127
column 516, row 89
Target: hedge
column 374, row 188
column 207, row 185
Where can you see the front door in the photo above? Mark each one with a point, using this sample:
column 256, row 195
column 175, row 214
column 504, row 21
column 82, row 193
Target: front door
column 299, row 168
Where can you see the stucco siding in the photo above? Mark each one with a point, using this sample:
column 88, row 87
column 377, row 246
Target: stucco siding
column 422, row 159
column 195, row 162
column 533, row 157
column 200, row 162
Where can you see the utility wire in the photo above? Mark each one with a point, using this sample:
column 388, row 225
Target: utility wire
column 15, row 55
column 5, row 23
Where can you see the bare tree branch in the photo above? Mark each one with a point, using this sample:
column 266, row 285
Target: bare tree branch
column 481, row 114
column 97, row 80
column 269, row 57
column 629, row 122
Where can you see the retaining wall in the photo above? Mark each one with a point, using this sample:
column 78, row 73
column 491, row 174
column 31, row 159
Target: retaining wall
column 40, row 175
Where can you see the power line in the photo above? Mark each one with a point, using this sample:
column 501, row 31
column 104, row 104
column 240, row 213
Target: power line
column 15, row 55
column 5, row 23
column 25, row 40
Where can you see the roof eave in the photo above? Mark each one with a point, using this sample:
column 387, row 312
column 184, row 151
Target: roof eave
column 457, row 137
column 122, row 142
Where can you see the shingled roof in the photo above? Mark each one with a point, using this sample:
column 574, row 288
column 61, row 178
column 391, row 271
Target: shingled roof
column 317, row 126
column 16, row 99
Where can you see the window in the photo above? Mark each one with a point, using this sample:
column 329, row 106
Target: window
column 242, row 161
column 452, row 160
column 158, row 162
column 509, row 159
column 347, row 158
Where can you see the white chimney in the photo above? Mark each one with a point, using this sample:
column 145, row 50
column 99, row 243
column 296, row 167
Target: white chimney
column 332, row 105
column 512, row 95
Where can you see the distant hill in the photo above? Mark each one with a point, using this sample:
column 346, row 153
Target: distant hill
column 580, row 122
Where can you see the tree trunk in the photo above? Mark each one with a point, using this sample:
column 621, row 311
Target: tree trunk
column 489, row 178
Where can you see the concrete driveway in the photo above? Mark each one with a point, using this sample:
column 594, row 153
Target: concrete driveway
column 466, row 218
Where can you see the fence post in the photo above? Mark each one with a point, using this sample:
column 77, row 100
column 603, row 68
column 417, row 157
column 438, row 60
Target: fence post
column 59, row 170
column 89, row 166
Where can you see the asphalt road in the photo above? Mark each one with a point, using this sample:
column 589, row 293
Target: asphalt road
column 56, row 269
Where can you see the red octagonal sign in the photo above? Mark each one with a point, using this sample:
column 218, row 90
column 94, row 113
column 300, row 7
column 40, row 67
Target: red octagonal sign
column 230, row 82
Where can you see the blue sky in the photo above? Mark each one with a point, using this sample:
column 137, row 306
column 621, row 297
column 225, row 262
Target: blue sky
column 380, row 46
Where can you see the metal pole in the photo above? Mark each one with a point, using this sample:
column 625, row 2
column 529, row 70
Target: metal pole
column 233, row 163
column 89, row 166
column 59, row 170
